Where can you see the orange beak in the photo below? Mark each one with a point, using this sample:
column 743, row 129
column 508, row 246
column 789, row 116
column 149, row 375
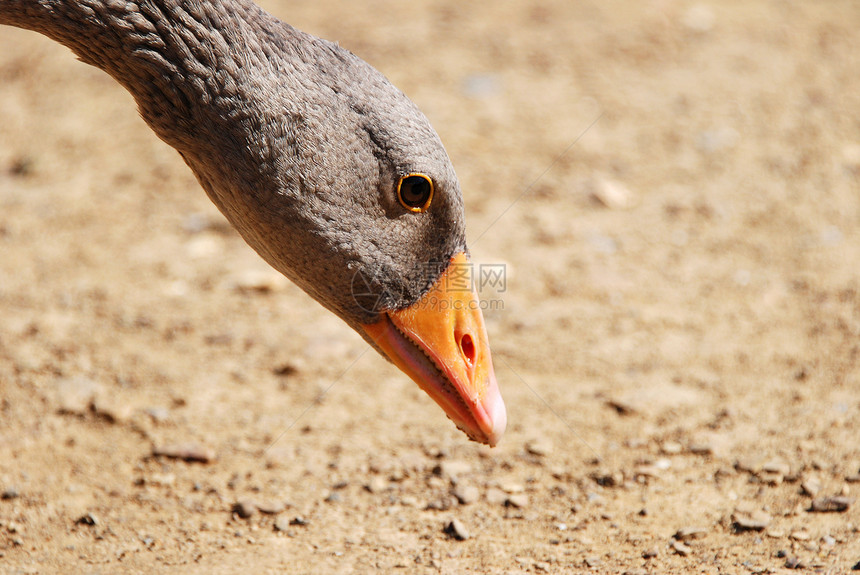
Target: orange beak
column 441, row 343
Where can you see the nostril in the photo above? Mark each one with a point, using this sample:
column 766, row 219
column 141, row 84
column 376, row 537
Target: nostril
column 467, row 348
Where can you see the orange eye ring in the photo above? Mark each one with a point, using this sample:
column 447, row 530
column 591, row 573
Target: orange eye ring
column 415, row 192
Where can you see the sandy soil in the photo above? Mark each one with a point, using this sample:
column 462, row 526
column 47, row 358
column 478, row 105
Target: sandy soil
column 673, row 188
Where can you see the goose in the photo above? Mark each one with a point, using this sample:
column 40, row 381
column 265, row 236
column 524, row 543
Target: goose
column 330, row 173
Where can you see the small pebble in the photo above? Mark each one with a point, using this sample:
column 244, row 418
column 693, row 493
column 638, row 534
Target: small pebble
column 799, row 535
column 771, row 478
column 754, row 521
column 285, row 369
column 112, row 409
column 190, row 452
column 75, row 395
column 512, row 487
column 539, row 447
column 831, row 504
column 21, row 166
column 650, row 553
column 671, row 448
column 244, row 508
column 592, row 561
column 441, row 504
column 776, row 466
column 622, row 407
column 259, row 281
column 680, row 548
column 701, row 449
column 466, row 494
column 158, row 414
column 452, row 468
column 376, row 484
column 595, row 499
column 794, row 563
column 271, row 507
column 9, row 493
column 88, row 519
column 195, row 222
column 645, row 472
column 496, row 496
column 282, row 524
column 204, row 246
column 603, row 243
column 457, row 530
column 686, row 534
column 606, row 478
column 748, row 465
column 299, row 520
column 519, row 500
column 611, row 194
column 158, row 479
column 481, row 85
column 717, row 139
column 811, row 486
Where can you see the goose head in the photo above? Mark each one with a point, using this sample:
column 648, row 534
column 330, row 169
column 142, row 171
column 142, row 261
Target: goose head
column 339, row 182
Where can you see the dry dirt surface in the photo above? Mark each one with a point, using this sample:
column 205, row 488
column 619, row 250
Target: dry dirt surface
column 674, row 189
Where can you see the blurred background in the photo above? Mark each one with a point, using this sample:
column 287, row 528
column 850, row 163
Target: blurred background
column 672, row 189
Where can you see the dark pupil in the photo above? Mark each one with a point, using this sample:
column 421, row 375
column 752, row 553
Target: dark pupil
column 415, row 190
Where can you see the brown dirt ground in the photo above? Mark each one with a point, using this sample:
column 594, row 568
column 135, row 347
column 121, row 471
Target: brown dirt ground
column 678, row 344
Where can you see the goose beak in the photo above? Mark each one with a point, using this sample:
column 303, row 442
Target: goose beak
column 441, row 343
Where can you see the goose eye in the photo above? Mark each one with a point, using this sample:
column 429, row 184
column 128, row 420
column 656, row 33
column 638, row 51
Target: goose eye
column 415, row 192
